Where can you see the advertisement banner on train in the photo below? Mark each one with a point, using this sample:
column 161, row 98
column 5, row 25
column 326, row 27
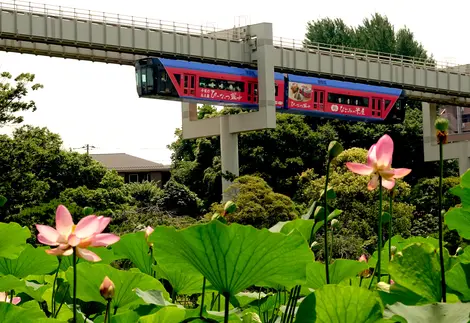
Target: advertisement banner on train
column 300, row 95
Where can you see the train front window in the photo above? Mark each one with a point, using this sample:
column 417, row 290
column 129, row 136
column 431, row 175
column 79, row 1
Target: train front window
column 149, row 77
column 163, row 84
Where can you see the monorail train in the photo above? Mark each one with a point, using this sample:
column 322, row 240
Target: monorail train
column 169, row 79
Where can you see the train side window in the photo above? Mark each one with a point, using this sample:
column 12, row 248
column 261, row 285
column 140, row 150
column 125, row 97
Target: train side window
column 315, row 94
column 276, row 90
column 321, row 97
column 178, row 79
column 387, row 104
column 218, row 84
column 348, row 99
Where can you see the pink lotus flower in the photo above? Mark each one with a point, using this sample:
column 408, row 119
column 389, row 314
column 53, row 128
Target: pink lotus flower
column 5, row 298
column 148, row 232
column 379, row 163
column 363, row 258
column 87, row 233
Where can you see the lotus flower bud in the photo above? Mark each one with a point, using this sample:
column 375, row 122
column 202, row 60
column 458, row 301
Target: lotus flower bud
column 334, row 149
column 230, row 207
column 363, row 258
column 459, row 251
column 441, row 124
column 107, row 288
column 392, row 282
column 148, row 232
column 335, row 224
column 393, row 250
column 383, row 287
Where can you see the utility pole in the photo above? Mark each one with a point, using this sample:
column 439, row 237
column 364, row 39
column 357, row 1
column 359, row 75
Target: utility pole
column 87, row 147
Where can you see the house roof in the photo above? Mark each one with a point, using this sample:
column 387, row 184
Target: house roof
column 125, row 163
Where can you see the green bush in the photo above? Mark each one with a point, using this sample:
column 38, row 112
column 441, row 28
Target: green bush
column 179, row 200
column 424, row 197
column 103, row 201
column 257, row 204
column 138, row 219
column 144, row 194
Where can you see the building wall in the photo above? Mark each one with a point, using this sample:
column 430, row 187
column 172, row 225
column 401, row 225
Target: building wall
column 459, row 118
column 158, row 176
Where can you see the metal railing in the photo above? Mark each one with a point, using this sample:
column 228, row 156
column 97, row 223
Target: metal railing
column 227, row 34
column 85, row 15
column 369, row 55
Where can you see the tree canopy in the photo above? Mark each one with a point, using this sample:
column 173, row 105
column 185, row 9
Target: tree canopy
column 12, row 96
column 376, row 34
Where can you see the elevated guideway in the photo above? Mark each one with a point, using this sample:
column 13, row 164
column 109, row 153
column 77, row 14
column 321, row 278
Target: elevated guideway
column 56, row 31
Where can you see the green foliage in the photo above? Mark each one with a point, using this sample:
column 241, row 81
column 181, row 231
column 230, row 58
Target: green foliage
column 375, row 34
column 257, row 204
column 423, row 197
column 228, row 265
column 136, row 219
column 103, row 201
column 179, row 200
column 334, row 303
column 144, row 194
column 12, row 96
column 34, row 169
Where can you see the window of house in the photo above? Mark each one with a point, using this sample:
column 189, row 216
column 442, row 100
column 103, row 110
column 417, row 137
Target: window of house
column 133, row 178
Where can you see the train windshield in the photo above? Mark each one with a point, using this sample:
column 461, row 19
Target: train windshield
column 144, row 75
column 153, row 80
column 397, row 113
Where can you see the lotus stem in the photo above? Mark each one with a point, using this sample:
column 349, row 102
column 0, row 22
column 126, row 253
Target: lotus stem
column 379, row 243
column 379, row 240
column 203, row 294
column 439, row 210
column 227, row 304
column 325, row 221
column 74, row 262
column 390, row 211
column 54, row 291
column 107, row 316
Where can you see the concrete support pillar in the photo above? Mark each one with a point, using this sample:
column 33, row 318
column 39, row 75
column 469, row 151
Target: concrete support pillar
column 263, row 56
column 229, row 155
column 228, row 126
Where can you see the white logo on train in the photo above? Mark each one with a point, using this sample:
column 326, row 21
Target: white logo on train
column 334, row 108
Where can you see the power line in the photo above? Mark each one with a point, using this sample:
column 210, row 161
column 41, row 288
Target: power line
column 87, row 147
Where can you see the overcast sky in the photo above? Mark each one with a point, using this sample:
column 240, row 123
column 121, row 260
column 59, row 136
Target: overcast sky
column 96, row 103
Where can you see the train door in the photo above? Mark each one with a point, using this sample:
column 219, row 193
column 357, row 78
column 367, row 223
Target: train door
column 189, row 84
column 377, row 107
column 318, row 100
column 253, row 92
